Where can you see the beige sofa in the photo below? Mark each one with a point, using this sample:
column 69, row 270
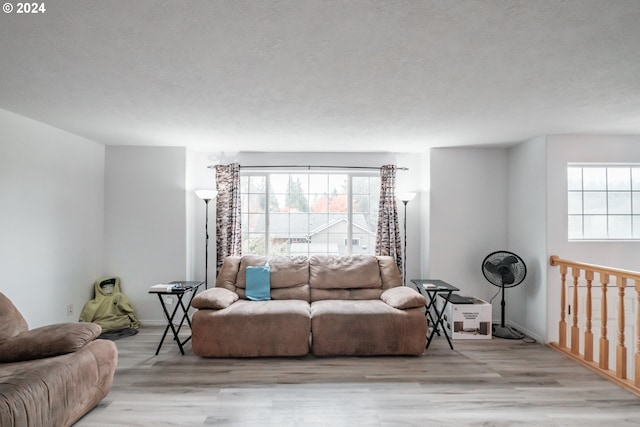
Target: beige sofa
column 329, row 305
column 52, row 375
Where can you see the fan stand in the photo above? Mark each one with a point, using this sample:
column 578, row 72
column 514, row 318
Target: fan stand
column 505, row 331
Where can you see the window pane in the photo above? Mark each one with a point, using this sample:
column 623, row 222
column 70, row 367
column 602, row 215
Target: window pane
column 619, row 226
column 255, row 244
column 338, row 184
column 278, row 244
column 575, row 202
column 317, row 221
column 635, row 197
column 360, row 185
column 279, row 183
column 575, row 226
column 594, row 178
column 595, row 226
column 636, row 226
column 319, row 203
column 318, row 183
column 595, row 203
column 619, row 202
column 279, row 223
column 635, row 178
column 296, row 198
column 244, row 184
column 256, row 222
column 256, row 184
column 277, row 203
column 574, row 178
column 618, row 178
column 338, row 203
column 361, row 203
column 301, row 181
column 298, row 225
column 256, row 203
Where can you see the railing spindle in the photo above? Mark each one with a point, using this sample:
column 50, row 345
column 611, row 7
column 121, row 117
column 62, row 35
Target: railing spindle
column 588, row 334
column 562, row 326
column 621, row 350
column 604, row 342
column 575, row 330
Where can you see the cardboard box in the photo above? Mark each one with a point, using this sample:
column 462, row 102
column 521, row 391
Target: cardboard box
column 467, row 321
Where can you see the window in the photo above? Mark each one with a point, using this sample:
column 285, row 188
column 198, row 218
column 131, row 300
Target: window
column 309, row 213
column 603, row 202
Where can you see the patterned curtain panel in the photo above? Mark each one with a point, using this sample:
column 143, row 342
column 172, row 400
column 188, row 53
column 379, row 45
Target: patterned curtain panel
column 228, row 225
column 388, row 235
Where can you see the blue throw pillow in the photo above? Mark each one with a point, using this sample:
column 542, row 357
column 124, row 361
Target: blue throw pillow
column 259, row 283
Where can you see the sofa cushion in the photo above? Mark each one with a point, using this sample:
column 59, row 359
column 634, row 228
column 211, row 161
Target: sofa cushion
column 228, row 273
column 214, row 298
column 48, row 341
column 289, row 276
column 11, row 321
column 356, row 328
column 344, row 272
column 389, row 272
column 350, row 277
column 252, row 329
column 403, row 298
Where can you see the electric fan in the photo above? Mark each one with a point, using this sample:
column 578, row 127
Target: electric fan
column 505, row 270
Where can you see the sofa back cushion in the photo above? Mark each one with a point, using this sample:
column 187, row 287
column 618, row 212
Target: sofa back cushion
column 289, row 275
column 350, row 277
column 11, row 321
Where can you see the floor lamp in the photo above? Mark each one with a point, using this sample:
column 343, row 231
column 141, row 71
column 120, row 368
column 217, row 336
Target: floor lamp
column 206, row 195
column 405, row 198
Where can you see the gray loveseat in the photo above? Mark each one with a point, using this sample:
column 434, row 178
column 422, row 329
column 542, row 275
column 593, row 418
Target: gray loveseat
column 328, row 305
column 52, row 375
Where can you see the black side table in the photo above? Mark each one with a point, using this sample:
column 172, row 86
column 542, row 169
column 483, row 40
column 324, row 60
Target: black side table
column 432, row 288
column 180, row 289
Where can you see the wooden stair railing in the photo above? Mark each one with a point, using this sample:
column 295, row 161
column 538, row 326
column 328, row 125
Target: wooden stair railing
column 622, row 277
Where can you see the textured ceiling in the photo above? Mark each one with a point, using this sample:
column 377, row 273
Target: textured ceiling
column 306, row 75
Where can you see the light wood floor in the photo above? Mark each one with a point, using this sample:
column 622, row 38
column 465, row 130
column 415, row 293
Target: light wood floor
column 481, row 383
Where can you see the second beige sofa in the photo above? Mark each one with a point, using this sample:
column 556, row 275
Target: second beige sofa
column 330, row 305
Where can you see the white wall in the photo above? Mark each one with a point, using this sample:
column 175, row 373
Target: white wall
column 526, row 307
column 51, row 218
column 582, row 148
column 468, row 218
column 145, row 222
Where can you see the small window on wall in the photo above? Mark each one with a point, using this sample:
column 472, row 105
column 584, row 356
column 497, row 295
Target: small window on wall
column 603, row 201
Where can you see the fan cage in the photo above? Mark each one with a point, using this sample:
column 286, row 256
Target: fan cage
column 519, row 269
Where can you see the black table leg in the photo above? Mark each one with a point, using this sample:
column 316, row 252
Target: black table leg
column 170, row 323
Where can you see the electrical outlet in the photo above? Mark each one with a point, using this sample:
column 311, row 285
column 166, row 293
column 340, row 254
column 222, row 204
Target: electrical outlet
column 70, row 310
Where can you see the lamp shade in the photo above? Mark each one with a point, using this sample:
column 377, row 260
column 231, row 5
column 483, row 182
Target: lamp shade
column 405, row 197
column 206, row 194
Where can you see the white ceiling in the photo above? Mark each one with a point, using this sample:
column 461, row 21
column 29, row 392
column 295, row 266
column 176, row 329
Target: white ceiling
column 311, row 75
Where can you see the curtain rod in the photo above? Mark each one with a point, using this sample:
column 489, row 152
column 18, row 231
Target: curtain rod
column 309, row 167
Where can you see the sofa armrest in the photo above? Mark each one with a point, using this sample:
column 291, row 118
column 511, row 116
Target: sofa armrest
column 214, row 298
column 48, row 341
column 403, row 298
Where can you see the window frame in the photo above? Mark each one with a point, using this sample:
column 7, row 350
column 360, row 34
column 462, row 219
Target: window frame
column 633, row 214
column 267, row 193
